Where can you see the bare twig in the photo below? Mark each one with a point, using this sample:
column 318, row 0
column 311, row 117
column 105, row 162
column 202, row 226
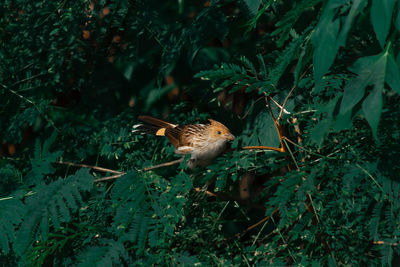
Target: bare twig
column 285, row 101
column 277, row 104
column 109, row 177
column 88, row 166
column 209, row 193
column 256, row 224
column 163, row 165
column 33, row 104
column 250, row 108
column 384, row 243
column 265, row 148
column 28, row 79
column 289, row 94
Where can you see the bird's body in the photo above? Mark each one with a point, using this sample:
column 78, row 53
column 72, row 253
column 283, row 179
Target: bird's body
column 203, row 142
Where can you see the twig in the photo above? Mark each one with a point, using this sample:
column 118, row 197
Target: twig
column 276, row 103
column 289, row 94
column 256, row 224
column 370, row 176
column 11, row 197
column 163, row 165
column 88, row 166
column 285, row 101
column 32, row 103
column 29, row 78
column 307, row 150
column 250, row 108
column 209, row 193
column 264, row 148
column 109, row 177
column 384, row 243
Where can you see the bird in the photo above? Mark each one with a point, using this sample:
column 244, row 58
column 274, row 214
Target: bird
column 203, row 142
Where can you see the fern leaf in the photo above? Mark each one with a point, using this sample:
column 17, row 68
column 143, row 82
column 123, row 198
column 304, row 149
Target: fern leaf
column 11, row 212
column 108, row 253
column 43, row 208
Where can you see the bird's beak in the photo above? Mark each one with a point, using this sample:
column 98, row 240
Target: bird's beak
column 230, row 137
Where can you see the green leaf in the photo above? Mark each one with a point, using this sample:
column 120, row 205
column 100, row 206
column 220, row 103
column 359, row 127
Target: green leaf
column 252, row 6
column 371, row 71
column 397, row 22
column 324, row 41
column 381, row 17
column 329, row 35
column 372, row 108
column 393, row 74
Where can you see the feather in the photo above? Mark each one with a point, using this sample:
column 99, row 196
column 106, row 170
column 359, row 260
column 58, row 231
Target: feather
column 156, row 122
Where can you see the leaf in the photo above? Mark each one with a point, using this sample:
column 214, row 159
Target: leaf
column 10, row 217
column 324, row 40
column 371, row 71
column 393, row 74
column 329, row 36
column 48, row 205
column 381, row 17
column 372, row 108
column 252, row 6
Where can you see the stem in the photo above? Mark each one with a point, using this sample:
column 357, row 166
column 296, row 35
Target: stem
column 88, row 166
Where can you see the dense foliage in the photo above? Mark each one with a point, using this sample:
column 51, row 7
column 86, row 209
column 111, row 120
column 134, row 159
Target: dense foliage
column 74, row 76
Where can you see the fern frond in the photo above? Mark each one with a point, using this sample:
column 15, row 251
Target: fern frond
column 41, row 162
column 48, row 206
column 108, row 253
column 11, row 212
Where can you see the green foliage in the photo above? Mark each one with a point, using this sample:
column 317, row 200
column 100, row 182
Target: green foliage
column 74, row 76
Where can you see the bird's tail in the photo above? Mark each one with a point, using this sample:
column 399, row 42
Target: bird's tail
column 157, row 126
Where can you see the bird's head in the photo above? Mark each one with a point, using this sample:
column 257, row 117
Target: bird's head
column 218, row 131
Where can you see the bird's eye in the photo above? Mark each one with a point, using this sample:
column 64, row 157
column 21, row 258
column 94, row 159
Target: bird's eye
column 219, row 132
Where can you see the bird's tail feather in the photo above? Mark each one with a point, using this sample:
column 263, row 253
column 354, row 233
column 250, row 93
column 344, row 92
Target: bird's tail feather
column 157, row 126
column 145, row 129
column 156, row 122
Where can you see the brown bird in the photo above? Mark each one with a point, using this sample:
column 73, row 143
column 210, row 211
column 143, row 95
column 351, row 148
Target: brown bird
column 203, row 142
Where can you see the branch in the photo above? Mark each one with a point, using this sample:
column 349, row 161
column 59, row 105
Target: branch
column 265, row 148
column 290, row 93
column 109, row 177
column 256, row 224
column 170, row 163
column 88, row 166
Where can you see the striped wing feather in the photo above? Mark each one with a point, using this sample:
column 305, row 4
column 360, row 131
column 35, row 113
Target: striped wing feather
column 188, row 136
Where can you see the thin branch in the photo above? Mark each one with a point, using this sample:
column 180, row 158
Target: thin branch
column 265, row 148
column 11, row 197
column 384, row 243
column 256, row 224
column 88, row 166
column 32, row 103
column 209, row 193
column 277, row 104
column 307, row 150
column 289, row 94
column 163, row 165
column 109, row 177
column 250, row 108
column 29, row 78
column 285, row 101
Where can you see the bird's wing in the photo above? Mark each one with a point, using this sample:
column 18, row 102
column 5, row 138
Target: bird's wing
column 192, row 135
column 174, row 135
column 183, row 150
